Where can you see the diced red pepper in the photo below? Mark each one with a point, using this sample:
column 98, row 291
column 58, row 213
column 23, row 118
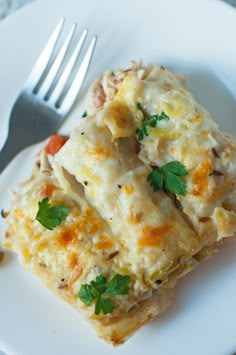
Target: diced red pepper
column 55, row 143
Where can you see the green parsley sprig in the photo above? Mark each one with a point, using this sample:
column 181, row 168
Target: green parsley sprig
column 98, row 290
column 48, row 216
column 152, row 121
column 168, row 176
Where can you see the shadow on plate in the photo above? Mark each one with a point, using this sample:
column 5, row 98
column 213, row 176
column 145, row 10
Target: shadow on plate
column 214, row 94
column 207, row 273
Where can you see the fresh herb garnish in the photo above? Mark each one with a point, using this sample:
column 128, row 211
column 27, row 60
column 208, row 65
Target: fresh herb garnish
column 152, row 121
column 168, row 176
column 48, row 216
column 85, row 114
column 98, row 289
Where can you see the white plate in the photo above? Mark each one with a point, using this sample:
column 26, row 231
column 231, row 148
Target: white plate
column 195, row 37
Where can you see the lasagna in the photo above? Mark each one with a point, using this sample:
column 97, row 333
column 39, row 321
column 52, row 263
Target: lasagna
column 146, row 183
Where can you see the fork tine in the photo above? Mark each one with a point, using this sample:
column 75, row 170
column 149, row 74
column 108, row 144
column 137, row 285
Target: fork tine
column 68, row 69
column 74, row 88
column 43, row 91
column 44, row 57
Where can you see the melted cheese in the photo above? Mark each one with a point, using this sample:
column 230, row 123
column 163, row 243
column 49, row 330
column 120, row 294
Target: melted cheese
column 116, row 223
column 122, row 193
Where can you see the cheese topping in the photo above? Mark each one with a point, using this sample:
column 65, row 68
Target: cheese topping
column 116, row 223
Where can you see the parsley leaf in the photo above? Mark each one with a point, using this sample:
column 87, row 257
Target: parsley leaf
column 106, row 305
column 154, row 118
column 85, row 114
column 168, row 176
column 117, row 285
column 100, row 284
column 152, row 121
column 87, row 294
column 175, row 167
column 99, row 288
column 48, row 216
column 156, row 179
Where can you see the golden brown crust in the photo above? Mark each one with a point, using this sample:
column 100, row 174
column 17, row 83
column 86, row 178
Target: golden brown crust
column 116, row 223
column 118, row 330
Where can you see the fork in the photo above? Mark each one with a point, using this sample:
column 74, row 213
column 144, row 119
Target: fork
column 49, row 93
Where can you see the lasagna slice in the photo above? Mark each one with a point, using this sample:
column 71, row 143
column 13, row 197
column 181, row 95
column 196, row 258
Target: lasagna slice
column 148, row 182
column 189, row 136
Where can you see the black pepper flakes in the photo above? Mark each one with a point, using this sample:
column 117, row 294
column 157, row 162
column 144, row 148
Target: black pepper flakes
column 7, row 235
column 112, row 255
column 204, row 219
column 85, row 183
column 1, row 255
column 43, row 265
column 177, row 203
column 216, row 173
column 154, row 167
column 215, row 153
column 61, row 287
column 158, row 282
column 119, row 186
column 4, row 214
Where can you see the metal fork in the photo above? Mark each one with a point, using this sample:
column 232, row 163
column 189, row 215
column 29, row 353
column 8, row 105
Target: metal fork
column 48, row 94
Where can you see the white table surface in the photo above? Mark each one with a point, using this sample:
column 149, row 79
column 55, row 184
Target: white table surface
column 9, row 6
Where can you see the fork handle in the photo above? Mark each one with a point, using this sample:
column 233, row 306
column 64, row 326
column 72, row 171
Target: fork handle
column 9, row 151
